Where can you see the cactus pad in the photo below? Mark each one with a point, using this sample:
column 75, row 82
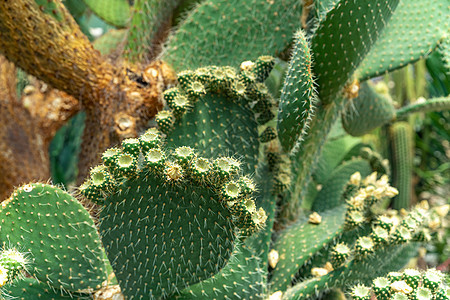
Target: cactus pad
column 241, row 278
column 32, row 289
column 225, row 34
column 296, row 103
column 367, row 111
column 223, row 118
column 417, row 27
column 62, row 239
column 343, row 38
column 173, row 219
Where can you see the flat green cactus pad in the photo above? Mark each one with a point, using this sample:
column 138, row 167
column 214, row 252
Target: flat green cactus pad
column 32, row 289
column 343, row 38
column 217, row 110
column 59, row 235
column 160, row 238
column 299, row 243
column 227, row 32
column 367, row 111
column 245, row 275
column 416, row 28
column 169, row 220
column 114, row 12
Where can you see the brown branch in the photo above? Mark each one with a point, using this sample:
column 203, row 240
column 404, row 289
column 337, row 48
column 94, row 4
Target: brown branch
column 50, row 46
column 28, row 125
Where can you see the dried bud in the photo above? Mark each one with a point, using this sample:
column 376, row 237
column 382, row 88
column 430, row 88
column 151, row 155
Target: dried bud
column 315, row 218
column 401, row 286
column 276, row 296
column 273, row 258
column 355, row 178
column 319, row 272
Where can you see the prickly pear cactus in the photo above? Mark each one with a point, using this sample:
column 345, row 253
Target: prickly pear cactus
column 218, row 186
column 170, row 219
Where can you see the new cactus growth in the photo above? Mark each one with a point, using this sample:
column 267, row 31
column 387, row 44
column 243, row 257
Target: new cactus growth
column 410, row 284
column 227, row 180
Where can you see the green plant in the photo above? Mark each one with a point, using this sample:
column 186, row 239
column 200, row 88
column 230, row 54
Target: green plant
column 228, row 192
column 410, row 284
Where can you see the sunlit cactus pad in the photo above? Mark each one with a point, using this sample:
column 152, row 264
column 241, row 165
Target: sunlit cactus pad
column 417, row 27
column 59, row 235
column 218, row 110
column 169, row 218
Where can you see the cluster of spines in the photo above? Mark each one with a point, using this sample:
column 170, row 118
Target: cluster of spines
column 410, row 284
column 12, row 264
column 181, row 166
column 247, row 83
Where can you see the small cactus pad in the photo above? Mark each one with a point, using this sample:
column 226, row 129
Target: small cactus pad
column 173, row 220
column 13, row 263
column 58, row 234
column 367, row 111
column 343, row 38
column 381, row 286
column 296, row 103
column 417, row 27
column 360, row 292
